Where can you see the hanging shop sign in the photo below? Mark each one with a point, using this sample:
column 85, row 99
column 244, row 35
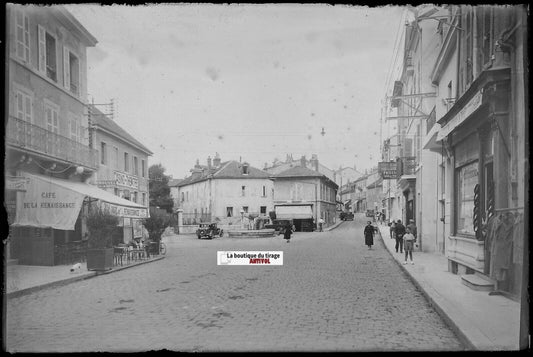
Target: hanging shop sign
column 388, row 170
column 16, row 183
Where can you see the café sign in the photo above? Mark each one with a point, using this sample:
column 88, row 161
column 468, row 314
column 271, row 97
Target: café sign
column 121, row 211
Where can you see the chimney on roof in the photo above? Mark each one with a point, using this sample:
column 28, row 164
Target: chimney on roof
column 209, row 162
column 197, row 166
column 303, row 161
column 216, row 161
column 314, row 162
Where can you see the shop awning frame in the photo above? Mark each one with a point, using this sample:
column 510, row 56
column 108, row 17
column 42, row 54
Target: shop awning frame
column 294, row 212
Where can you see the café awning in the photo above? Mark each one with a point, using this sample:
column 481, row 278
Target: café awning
column 56, row 203
column 294, row 212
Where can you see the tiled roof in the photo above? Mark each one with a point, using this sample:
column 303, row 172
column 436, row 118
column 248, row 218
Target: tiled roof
column 299, row 171
column 101, row 120
column 228, row 169
column 233, row 169
column 174, row 182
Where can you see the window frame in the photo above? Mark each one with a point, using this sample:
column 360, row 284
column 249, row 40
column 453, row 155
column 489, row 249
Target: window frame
column 229, row 212
column 68, row 77
column 126, row 162
column 24, row 42
column 27, row 103
column 44, row 65
column 103, row 154
column 54, row 108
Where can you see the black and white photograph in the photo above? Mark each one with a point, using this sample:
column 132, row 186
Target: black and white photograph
column 265, row 177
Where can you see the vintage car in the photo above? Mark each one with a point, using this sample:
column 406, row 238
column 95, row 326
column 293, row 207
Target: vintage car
column 370, row 213
column 208, row 230
column 346, row 216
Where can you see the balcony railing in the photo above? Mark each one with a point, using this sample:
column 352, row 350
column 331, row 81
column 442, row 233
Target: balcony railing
column 22, row 134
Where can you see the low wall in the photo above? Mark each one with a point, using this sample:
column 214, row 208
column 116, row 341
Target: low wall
column 261, row 233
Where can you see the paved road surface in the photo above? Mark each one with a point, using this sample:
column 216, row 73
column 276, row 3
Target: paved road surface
column 331, row 294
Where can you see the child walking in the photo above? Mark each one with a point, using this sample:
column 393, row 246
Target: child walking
column 408, row 243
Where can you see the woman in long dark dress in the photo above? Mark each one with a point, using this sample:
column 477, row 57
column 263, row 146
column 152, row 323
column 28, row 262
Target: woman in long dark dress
column 287, row 233
column 369, row 235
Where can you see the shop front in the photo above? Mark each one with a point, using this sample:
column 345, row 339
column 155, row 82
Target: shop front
column 50, row 217
column 301, row 215
column 485, row 231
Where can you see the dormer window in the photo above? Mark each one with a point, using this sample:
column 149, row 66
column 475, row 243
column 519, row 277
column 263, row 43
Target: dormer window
column 245, row 169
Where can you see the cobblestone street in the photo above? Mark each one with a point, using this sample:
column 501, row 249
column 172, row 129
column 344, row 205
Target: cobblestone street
column 331, row 294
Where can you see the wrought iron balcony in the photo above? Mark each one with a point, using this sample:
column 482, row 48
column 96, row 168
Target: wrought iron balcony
column 406, row 166
column 24, row 135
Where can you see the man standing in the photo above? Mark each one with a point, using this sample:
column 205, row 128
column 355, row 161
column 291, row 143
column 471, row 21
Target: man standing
column 400, row 231
column 412, row 227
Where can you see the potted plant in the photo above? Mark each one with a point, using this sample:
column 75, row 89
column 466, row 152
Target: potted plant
column 156, row 225
column 100, row 224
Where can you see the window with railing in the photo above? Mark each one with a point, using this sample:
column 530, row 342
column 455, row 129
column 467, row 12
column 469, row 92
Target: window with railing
column 24, row 135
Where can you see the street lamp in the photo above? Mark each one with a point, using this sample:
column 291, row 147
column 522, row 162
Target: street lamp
column 242, row 218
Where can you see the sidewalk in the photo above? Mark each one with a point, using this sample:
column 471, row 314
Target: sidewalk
column 482, row 321
column 24, row 279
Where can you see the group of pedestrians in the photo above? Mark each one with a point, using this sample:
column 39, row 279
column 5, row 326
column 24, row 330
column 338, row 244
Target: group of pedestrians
column 405, row 238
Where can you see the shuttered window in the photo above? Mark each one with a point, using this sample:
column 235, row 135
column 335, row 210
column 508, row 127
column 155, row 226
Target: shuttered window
column 22, row 35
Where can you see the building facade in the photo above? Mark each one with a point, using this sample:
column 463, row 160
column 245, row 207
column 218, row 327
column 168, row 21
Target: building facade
column 49, row 155
column 305, row 196
column 469, row 179
column 123, row 167
column 46, row 127
column 230, row 193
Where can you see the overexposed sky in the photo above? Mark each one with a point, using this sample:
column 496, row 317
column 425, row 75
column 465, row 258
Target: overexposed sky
column 251, row 82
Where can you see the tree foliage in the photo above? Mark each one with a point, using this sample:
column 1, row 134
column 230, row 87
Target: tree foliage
column 156, row 224
column 159, row 189
column 100, row 224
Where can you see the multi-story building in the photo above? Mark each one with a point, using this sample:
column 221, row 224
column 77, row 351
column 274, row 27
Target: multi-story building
column 123, row 167
column 482, row 133
column 305, row 196
column 345, row 175
column 412, row 194
column 278, row 166
column 231, row 193
column 49, row 155
column 469, row 179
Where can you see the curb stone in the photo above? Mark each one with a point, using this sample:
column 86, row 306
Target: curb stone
column 447, row 319
column 63, row 282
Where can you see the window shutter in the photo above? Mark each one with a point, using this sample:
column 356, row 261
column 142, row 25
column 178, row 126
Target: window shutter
column 28, row 109
column 66, row 68
column 42, row 49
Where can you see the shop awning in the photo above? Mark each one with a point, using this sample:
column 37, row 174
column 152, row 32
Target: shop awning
column 294, row 212
column 56, row 203
column 347, row 202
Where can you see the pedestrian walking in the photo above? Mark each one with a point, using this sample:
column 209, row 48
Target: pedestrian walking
column 392, row 230
column 369, row 235
column 320, row 224
column 408, row 243
column 400, row 231
column 287, row 233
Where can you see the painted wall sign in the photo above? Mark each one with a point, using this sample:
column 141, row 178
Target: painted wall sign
column 122, row 179
column 460, row 117
column 122, row 211
column 48, row 205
